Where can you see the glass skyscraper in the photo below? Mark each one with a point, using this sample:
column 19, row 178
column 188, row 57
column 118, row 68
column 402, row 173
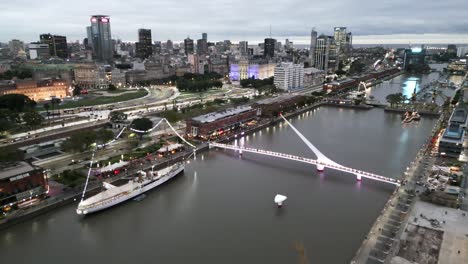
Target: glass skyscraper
column 101, row 38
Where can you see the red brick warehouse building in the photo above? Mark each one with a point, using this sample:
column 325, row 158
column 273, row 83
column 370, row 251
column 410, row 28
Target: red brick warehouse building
column 213, row 124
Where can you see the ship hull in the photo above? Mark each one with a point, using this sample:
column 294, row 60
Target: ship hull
column 127, row 195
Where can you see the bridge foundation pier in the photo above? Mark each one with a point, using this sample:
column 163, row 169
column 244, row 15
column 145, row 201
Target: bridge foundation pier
column 320, row 168
column 358, row 177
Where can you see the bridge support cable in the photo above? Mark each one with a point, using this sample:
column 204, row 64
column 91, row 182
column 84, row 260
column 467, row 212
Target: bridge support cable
column 320, row 164
column 87, row 178
column 320, row 155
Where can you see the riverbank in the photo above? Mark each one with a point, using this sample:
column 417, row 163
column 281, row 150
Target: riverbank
column 56, row 202
column 382, row 242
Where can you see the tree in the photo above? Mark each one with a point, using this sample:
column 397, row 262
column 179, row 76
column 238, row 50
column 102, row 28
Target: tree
column 32, row 119
column 77, row 90
column 11, row 154
column 47, row 107
column 395, row 99
column 55, row 103
column 8, row 119
column 80, row 141
column 142, row 124
column 104, row 136
column 16, row 102
column 117, row 116
column 112, row 87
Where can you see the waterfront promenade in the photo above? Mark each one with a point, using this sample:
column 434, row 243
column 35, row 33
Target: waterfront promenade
column 382, row 241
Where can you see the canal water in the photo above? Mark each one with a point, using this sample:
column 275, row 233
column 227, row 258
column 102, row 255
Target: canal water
column 221, row 210
column 407, row 84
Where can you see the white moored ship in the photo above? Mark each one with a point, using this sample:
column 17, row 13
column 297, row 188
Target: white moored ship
column 114, row 195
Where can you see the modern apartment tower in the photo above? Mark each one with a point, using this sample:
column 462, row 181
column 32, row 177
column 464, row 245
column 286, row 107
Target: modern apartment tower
column 202, row 47
column 144, row 46
column 326, row 57
column 101, row 38
column 289, row 76
column 313, row 43
column 343, row 41
column 188, row 46
column 205, row 36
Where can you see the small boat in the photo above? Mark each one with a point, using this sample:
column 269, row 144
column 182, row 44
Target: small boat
column 279, row 199
column 410, row 117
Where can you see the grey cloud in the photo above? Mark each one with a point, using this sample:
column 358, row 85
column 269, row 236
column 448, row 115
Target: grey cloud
column 223, row 19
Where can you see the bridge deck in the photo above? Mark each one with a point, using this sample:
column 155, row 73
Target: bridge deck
column 309, row 161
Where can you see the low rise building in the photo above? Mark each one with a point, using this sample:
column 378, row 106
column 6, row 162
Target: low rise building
column 214, row 124
column 313, row 77
column 21, row 183
column 91, row 76
column 271, row 107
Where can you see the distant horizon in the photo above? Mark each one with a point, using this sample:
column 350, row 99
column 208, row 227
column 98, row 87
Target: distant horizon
column 370, row 40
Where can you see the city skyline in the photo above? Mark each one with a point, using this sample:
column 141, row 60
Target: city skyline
column 372, row 25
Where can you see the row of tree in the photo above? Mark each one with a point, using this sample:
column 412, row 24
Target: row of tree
column 256, row 83
column 193, row 82
column 197, row 85
column 19, row 74
column 16, row 110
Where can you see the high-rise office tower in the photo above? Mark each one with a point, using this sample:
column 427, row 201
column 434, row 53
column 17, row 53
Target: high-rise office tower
column 157, row 47
column 188, row 46
column 313, row 43
column 202, row 47
column 205, row 36
column 341, row 40
column 169, row 46
column 244, row 48
column 326, row 54
column 144, row 46
column 101, row 38
column 269, row 48
column 57, row 45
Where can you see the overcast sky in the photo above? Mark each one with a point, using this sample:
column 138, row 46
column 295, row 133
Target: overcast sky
column 371, row 21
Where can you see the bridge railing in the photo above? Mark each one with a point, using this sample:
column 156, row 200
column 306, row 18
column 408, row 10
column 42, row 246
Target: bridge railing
column 308, row 160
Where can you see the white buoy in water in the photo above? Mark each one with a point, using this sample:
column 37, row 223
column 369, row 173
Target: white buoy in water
column 279, row 199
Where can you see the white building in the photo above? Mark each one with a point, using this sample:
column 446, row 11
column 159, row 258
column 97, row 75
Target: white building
column 289, row 76
column 38, row 51
column 461, row 51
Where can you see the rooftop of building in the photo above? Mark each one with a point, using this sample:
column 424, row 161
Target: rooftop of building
column 210, row 117
column 10, row 169
column 459, row 115
column 453, row 133
column 278, row 99
column 311, row 70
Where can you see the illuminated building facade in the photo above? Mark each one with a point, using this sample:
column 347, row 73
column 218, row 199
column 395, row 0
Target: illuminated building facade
column 37, row 90
column 254, row 70
column 21, row 184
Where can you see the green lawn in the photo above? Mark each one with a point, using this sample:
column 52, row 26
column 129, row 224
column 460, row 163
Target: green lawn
column 104, row 100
